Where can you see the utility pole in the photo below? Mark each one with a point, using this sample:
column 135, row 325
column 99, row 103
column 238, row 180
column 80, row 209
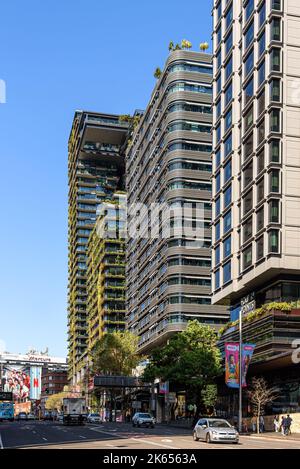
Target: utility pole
column 240, row 371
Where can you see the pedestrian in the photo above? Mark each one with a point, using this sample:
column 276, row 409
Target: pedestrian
column 261, row 424
column 253, row 423
column 283, row 425
column 289, row 421
column 276, row 423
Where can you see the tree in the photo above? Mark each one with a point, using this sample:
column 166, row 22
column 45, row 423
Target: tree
column 185, row 44
column 55, row 401
column 260, row 395
column 191, row 360
column 204, row 46
column 209, row 397
column 116, row 354
column 171, row 46
column 157, row 73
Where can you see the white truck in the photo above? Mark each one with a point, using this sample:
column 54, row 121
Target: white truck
column 74, row 411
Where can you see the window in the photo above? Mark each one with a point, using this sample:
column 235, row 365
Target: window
column 261, row 103
column 248, row 174
column 228, row 69
column 219, row 59
column 247, row 230
column 275, row 60
column 260, row 248
column 217, row 255
column 275, row 151
column 249, row 35
column 249, row 9
column 218, row 182
column 261, row 132
column 218, row 36
column 218, row 158
column 248, row 119
column 274, row 211
column 260, row 219
column 261, row 74
column 218, row 231
column 227, row 172
column 227, row 272
column 218, row 109
column 227, row 222
column 261, row 161
column 249, row 64
column 228, row 18
column 227, row 197
column 228, row 146
column 247, row 257
column 217, row 279
column 218, row 134
column 274, row 241
column 262, row 45
column 274, row 181
column 228, row 120
column 248, row 92
column 262, row 15
column 248, row 202
column 227, row 247
column 219, row 10
column 228, row 43
column 218, row 207
column 228, row 94
column 275, row 29
column 276, row 5
column 275, row 90
column 260, row 191
column 248, row 146
column 275, row 120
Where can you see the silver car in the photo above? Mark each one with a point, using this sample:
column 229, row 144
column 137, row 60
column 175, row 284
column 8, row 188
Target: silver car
column 215, row 430
column 141, row 418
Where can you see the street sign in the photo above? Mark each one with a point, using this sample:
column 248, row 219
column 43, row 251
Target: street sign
column 6, row 396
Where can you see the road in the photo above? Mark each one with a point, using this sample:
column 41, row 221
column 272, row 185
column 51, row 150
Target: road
column 119, row 436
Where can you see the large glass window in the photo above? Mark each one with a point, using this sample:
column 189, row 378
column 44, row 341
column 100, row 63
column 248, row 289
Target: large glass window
column 228, row 94
column 249, row 8
column 228, row 43
column 248, row 174
column 274, row 241
column 247, row 230
column 260, row 248
column 248, row 146
column 275, row 151
column 217, row 232
column 261, row 161
column 260, row 191
column 218, row 182
column 248, row 202
column 228, row 69
column 260, row 219
column 218, row 158
column 248, row 92
column 228, row 120
column 275, row 90
column 275, row 60
column 228, row 18
column 276, row 5
column 218, row 134
column 217, row 255
column 276, row 29
column 247, row 257
column 274, row 211
column 218, row 207
column 275, row 120
column 262, row 44
column 262, row 15
column 227, row 172
column 261, row 103
column 227, row 272
column 261, row 132
column 217, row 279
column 227, row 197
column 227, row 222
column 228, row 146
column 248, row 119
column 261, row 74
column 249, row 63
column 227, row 247
column 249, row 35
column 274, row 180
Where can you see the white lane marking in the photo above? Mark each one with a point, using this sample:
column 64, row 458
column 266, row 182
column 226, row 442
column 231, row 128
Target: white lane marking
column 33, row 431
column 153, row 443
column 111, row 446
column 1, row 443
column 167, row 441
column 272, row 439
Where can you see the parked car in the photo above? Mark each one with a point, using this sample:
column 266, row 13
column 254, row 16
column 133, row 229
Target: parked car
column 30, row 416
column 215, row 430
column 141, row 418
column 94, row 418
column 22, row 416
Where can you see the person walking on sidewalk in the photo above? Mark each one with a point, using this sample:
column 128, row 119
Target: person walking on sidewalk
column 261, row 424
column 276, row 423
column 253, row 423
column 283, row 425
column 289, row 421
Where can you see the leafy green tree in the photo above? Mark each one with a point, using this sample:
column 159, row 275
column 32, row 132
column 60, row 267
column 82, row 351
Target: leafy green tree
column 191, row 360
column 171, row 46
column 55, row 401
column 157, row 73
column 116, row 354
column 209, row 397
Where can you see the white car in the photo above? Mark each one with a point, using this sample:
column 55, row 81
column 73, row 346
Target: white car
column 142, row 418
column 215, row 430
column 30, row 416
column 94, row 418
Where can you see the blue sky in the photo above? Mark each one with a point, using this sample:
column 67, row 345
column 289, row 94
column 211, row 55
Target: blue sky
column 55, row 57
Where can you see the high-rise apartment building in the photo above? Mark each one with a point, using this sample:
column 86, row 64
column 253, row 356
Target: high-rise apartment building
column 256, row 144
column 106, row 271
column 169, row 171
column 96, row 172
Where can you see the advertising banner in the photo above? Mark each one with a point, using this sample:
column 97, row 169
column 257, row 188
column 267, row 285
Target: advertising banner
column 163, row 387
column 35, row 382
column 232, row 365
column 16, row 379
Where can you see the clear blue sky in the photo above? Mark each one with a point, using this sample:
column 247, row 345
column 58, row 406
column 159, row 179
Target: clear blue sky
column 55, row 57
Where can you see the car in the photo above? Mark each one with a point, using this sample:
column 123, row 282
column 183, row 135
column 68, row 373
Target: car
column 22, row 416
column 30, row 416
column 213, row 430
column 140, row 418
column 94, row 418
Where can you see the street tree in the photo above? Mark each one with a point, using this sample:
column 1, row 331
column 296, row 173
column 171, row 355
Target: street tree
column 260, row 394
column 191, row 360
column 55, row 401
column 209, row 397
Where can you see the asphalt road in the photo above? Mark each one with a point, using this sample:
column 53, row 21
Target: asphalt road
column 118, row 436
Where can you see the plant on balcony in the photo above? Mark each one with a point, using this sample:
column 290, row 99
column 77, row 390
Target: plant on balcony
column 185, row 44
column 171, row 46
column 204, row 46
column 157, row 73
